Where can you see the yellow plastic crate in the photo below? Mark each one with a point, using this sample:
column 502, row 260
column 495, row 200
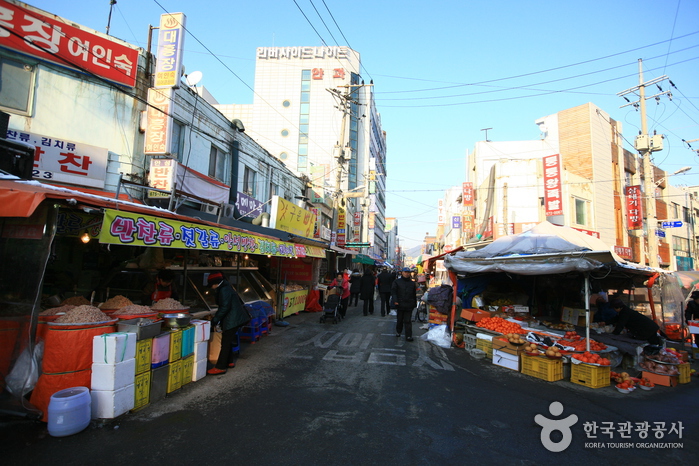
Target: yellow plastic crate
column 175, row 345
column 142, row 390
column 187, row 369
column 143, row 355
column 685, row 373
column 174, row 381
column 590, row 376
column 542, row 368
column 486, row 346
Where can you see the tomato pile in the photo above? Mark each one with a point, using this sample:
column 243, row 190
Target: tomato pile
column 572, row 336
column 498, row 324
column 581, row 345
column 592, row 358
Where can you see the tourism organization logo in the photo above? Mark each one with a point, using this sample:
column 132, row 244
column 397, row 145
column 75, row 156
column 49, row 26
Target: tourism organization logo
column 607, row 435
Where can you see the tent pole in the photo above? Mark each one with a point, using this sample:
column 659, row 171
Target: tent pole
column 587, row 310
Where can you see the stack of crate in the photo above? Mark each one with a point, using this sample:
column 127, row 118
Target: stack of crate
column 113, row 374
column 144, row 347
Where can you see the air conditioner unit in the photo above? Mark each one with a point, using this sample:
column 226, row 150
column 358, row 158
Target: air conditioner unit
column 210, row 209
column 228, row 211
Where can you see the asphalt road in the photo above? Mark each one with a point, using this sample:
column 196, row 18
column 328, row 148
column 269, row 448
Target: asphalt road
column 353, row 393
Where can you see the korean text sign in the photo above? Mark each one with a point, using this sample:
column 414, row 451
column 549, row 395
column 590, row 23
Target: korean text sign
column 170, row 47
column 64, row 161
column 63, row 43
column 158, row 138
column 128, row 228
column 289, row 217
column 553, row 193
column 467, row 194
column 634, row 208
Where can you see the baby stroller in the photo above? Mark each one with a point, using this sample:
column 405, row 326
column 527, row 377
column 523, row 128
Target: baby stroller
column 332, row 303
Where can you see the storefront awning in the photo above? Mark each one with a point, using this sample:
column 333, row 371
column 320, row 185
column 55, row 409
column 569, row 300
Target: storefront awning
column 363, row 259
column 344, row 251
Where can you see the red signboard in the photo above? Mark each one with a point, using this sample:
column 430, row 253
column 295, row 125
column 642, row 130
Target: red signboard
column 294, row 270
column 65, row 44
column 634, row 209
column 594, row 234
column 553, row 194
column 467, row 194
column 624, row 252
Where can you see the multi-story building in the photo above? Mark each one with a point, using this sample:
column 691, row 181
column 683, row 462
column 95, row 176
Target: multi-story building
column 579, row 175
column 313, row 111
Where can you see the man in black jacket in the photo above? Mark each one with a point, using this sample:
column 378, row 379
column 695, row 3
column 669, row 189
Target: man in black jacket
column 231, row 315
column 386, row 280
column 404, row 298
column 639, row 326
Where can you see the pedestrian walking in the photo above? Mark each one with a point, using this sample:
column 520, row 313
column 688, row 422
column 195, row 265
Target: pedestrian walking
column 344, row 290
column 355, row 287
column 404, row 299
column 231, row 315
column 386, row 279
column 368, row 285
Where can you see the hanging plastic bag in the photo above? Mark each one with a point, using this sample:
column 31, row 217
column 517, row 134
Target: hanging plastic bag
column 439, row 336
column 23, row 376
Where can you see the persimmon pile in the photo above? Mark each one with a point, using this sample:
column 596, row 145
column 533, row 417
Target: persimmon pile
column 581, row 345
column 592, row 358
column 498, row 324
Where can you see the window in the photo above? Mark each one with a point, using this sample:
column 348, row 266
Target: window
column 580, row 211
column 218, row 165
column 675, row 210
column 177, row 141
column 16, row 85
column 249, row 179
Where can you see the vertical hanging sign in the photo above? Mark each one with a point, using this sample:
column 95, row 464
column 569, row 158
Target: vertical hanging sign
column 552, row 185
column 467, row 195
column 158, row 137
column 440, row 212
column 634, row 209
column 170, row 48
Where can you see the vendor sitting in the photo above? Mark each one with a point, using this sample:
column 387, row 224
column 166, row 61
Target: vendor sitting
column 605, row 314
column 638, row 325
column 163, row 287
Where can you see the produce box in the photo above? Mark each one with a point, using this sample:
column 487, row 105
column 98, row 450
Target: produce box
column 664, row 380
column 474, row 315
column 486, row 346
column 187, row 369
column 542, row 368
column 141, row 390
column 108, row 404
column 507, row 360
column 202, row 330
column 174, row 381
column 112, row 376
column 590, row 376
column 112, row 348
column 143, row 355
column 175, row 345
column 507, row 347
column 685, row 373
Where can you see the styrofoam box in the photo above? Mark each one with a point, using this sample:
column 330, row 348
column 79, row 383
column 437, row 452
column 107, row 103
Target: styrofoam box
column 484, row 336
column 199, row 370
column 202, row 331
column 108, row 404
column 510, row 361
column 111, row 348
column 113, row 376
column 201, row 350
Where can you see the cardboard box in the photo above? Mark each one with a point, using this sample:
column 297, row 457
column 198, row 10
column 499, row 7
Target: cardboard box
column 664, row 380
column 507, row 347
column 202, row 330
column 111, row 348
column 570, row 315
column 141, row 390
column 108, row 404
column 507, row 360
column 113, row 376
column 143, row 355
column 474, row 315
column 214, row 347
column 520, row 309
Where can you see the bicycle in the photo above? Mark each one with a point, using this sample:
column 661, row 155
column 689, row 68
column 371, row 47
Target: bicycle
column 420, row 312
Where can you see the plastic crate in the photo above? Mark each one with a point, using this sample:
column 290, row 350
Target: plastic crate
column 685, row 373
column 486, row 346
column 590, row 376
column 469, row 341
column 542, row 368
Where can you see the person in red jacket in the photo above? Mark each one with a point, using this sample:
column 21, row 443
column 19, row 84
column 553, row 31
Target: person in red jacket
column 343, row 285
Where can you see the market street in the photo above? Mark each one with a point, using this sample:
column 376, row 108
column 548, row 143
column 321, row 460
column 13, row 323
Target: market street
column 353, row 393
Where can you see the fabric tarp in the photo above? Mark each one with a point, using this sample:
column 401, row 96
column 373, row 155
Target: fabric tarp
column 362, row 259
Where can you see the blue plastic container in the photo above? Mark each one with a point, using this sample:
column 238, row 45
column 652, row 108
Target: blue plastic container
column 69, row 411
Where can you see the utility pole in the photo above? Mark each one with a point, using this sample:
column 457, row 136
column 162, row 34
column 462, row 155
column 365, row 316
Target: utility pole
column 645, row 145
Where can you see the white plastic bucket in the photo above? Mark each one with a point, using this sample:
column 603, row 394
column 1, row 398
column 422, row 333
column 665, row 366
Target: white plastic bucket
column 69, row 411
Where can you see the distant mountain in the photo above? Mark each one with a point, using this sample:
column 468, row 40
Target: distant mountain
column 414, row 251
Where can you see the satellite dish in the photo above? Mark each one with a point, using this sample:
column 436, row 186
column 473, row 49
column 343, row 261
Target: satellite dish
column 193, row 78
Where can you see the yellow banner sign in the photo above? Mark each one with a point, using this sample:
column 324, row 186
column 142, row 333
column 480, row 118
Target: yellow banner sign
column 132, row 229
column 294, row 301
column 289, row 217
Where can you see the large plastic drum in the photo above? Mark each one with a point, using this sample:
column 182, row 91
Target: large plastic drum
column 69, row 411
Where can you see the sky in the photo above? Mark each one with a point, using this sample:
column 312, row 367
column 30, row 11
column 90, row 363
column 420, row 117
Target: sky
column 445, row 70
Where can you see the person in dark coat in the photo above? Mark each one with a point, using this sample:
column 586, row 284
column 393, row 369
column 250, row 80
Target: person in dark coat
column 692, row 311
column 386, row 279
column 367, row 287
column 639, row 326
column 231, row 315
column 404, row 299
column 605, row 314
column 355, row 287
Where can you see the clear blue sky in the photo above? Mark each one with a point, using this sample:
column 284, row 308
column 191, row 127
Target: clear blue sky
column 443, row 70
